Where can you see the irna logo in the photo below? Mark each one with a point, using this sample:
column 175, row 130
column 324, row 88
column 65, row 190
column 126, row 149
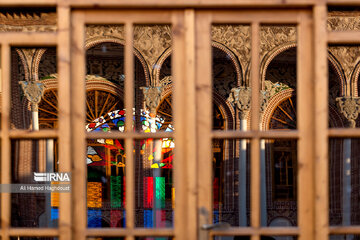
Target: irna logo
column 51, row 177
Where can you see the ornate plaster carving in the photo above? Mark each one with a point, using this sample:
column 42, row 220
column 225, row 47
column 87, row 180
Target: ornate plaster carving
column 342, row 21
column 152, row 97
column 152, row 41
column 28, row 22
column 240, row 97
column 348, row 56
column 236, row 38
column 93, row 31
column 33, row 91
column 274, row 36
column 350, row 108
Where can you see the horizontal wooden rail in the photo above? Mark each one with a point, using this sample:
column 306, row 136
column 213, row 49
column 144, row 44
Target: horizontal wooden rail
column 344, row 2
column 160, row 3
column 28, row 134
column 344, row 133
column 271, row 134
column 344, row 230
column 41, row 39
column 266, row 231
column 133, row 16
column 345, row 37
column 128, row 135
column 36, row 232
column 113, row 232
column 262, row 16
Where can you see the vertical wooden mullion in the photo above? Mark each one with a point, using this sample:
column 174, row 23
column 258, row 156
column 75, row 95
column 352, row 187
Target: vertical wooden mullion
column 305, row 102
column 190, row 117
column 321, row 123
column 5, row 141
column 129, row 103
column 255, row 111
column 204, row 119
column 78, row 142
column 178, row 38
column 63, row 53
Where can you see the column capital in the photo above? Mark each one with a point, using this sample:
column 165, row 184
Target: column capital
column 152, row 97
column 350, row 108
column 240, row 97
column 33, row 91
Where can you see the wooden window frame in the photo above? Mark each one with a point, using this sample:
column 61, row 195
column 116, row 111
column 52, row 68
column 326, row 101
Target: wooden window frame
column 191, row 44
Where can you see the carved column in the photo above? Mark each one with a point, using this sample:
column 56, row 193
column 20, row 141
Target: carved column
column 240, row 97
column 264, row 100
column 33, row 91
column 349, row 107
column 152, row 97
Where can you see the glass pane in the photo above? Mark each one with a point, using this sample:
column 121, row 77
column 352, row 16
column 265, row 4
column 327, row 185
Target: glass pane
column 344, row 182
column 155, row 191
column 230, row 84
column 278, row 182
column 231, row 181
column 278, row 77
column 32, row 161
column 153, row 87
column 106, row 199
column 344, row 69
column 105, row 84
column 105, row 79
column 34, row 97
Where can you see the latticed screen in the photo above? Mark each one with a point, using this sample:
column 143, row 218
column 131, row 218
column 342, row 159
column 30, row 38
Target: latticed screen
column 180, row 120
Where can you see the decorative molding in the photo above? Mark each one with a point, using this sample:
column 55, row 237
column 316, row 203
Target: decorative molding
column 273, row 102
column 33, row 91
column 28, row 21
column 350, row 108
column 152, row 97
column 270, row 56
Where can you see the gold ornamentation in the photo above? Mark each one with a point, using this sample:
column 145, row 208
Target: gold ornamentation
column 350, row 108
column 33, row 91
